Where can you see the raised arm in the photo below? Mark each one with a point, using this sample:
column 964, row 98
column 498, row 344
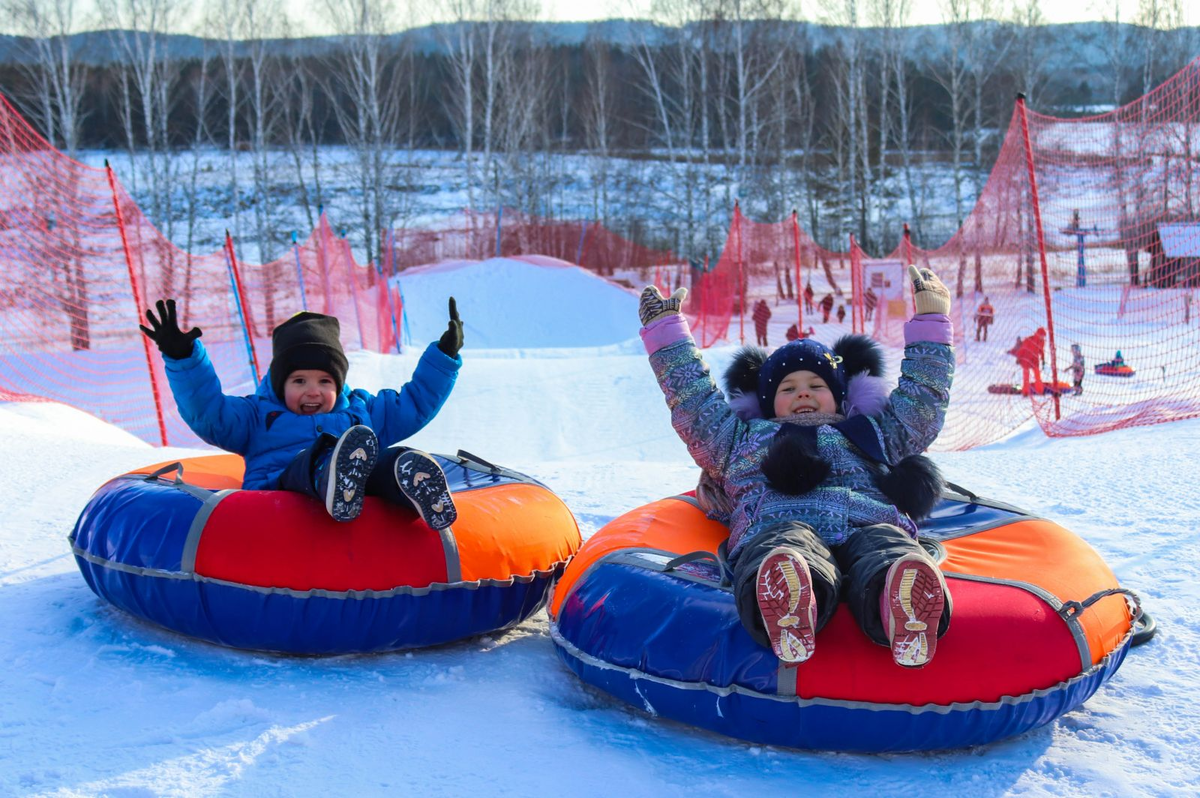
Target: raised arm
column 699, row 413
column 220, row 420
column 916, row 409
column 400, row 414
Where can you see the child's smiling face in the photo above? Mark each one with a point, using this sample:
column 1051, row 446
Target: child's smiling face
column 309, row 391
column 803, row 392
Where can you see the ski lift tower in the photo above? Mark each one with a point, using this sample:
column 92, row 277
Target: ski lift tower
column 1080, row 232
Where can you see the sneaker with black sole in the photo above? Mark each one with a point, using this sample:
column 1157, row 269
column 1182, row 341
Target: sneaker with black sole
column 913, row 598
column 344, row 481
column 423, row 483
column 787, row 604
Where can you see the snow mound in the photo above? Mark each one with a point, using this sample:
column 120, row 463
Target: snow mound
column 506, row 303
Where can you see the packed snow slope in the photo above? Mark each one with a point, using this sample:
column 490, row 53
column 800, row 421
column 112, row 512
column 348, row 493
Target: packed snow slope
column 518, row 303
column 96, row 703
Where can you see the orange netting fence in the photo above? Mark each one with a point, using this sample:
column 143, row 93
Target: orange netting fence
column 480, row 235
column 82, row 261
column 1075, row 274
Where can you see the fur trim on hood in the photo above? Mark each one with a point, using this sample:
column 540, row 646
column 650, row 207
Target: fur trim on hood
column 792, row 464
column 862, row 360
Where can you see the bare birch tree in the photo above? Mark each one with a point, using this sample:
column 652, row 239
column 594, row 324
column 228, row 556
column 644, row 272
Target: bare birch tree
column 460, row 38
column 52, row 67
column 141, row 31
column 226, row 20
column 263, row 19
column 598, row 120
column 365, row 72
column 301, row 125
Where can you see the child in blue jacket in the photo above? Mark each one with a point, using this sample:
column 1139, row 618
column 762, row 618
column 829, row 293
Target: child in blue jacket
column 304, row 429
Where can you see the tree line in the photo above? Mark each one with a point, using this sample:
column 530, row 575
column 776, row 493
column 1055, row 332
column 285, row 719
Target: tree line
column 860, row 123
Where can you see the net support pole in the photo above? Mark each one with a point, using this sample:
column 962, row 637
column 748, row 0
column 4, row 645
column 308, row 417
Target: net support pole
column 799, row 290
column 908, row 261
column 389, row 243
column 741, row 270
column 299, row 272
column 579, row 249
column 239, row 299
column 855, row 291
column 323, row 261
column 138, row 301
column 1041, row 243
column 499, row 227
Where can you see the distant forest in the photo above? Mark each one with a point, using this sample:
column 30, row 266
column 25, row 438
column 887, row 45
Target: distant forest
column 853, row 126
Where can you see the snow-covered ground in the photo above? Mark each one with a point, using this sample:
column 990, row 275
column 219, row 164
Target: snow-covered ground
column 96, row 703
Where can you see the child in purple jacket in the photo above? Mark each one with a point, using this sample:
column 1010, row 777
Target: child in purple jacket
column 817, row 463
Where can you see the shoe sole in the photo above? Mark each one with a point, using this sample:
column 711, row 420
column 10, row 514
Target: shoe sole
column 423, row 482
column 915, row 598
column 785, row 602
column 352, row 460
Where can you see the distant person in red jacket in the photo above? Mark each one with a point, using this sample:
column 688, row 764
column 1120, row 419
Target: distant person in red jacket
column 826, row 307
column 761, row 315
column 985, row 314
column 841, row 314
column 1031, row 352
column 869, row 302
column 808, row 298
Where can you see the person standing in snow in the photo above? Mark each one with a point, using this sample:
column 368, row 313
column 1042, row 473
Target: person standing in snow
column 808, row 297
column 1077, row 368
column 762, row 314
column 869, row 302
column 985, row 314
column 818, row 473
column 304, row 429
column 841, row 314
column 826, row 307
column 1030, row 353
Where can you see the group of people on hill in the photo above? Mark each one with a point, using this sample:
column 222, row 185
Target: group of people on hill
column 762, row 314
column 792, row 455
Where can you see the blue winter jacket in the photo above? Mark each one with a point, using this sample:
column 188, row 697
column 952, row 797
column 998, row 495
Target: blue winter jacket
column 268, row 436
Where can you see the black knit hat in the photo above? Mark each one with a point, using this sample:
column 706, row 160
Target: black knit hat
column 307, row 341
column 805, row 354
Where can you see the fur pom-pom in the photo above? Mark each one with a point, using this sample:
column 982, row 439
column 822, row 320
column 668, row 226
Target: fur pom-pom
column 792, row 464
column 865, row 395
column 745, row 405
column 859, row 353
column 914, row 485
column 742, row 374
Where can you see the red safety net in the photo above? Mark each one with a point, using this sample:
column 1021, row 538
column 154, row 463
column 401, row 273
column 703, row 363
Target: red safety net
column 481, row 235
column 1075, row 276
column 768, row 271
column 1078, row 264
column 83, row 262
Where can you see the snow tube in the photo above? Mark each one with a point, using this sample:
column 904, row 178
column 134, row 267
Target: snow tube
column 270, row 570
column 1114, row 370
column 1039, row 624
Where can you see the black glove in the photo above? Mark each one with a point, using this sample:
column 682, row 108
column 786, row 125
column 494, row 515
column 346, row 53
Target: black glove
column 452, row 339
column 166, row 334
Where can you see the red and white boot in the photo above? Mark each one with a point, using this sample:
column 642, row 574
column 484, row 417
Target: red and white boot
column 787, row 604
column 914, row 595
